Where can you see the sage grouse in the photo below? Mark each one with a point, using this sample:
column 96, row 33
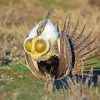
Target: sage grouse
column 57, row 57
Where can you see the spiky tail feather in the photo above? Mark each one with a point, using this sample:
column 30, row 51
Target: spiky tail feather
column 75, row 52
column 84, row 50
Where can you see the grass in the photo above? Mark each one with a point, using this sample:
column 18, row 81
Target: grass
column 17, row 83
column 96, row 66
column 16, row 80
column 54, row 4
column 17, row 18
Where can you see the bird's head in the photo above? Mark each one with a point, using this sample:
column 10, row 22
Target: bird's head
column 41, row 42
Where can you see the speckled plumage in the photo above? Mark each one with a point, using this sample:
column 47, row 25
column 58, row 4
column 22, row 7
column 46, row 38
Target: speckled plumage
column 67, row 53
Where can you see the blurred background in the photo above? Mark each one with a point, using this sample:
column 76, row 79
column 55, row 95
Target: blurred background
column 18, row 17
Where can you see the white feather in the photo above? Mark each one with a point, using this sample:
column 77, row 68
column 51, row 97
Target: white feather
column 33, row 32
column 50, row 31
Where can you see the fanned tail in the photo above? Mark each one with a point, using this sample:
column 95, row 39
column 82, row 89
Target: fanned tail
column 81, row 49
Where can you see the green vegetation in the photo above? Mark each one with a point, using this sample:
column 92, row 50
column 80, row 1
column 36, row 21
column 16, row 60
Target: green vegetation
column 17, row 83
column 17, row 17
column 54, row 4
column 96, row 62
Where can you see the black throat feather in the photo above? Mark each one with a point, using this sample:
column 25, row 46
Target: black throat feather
column 51, row 65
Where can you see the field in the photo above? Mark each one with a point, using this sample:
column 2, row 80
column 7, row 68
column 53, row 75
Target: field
column 17, row 18
column 17, row 83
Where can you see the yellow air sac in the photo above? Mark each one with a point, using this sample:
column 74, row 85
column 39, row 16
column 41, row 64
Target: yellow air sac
column 36, row 46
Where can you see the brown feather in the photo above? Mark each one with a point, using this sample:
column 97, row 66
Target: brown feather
column 63, row 60
column 68, row 26
column 31, row 66
column 81, row 33
column 84, row 40
column 88, row 52
column 84, row 47
column 75, row 29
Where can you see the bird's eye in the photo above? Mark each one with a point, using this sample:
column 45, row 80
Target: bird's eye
column 40, row 46
column 40, row 30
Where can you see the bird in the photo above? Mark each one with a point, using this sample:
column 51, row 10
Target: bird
column 55, row 56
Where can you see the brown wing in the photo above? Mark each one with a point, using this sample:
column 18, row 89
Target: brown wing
column 32, row 66
column 64, row 51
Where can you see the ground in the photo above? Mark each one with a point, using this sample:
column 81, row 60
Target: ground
column 17, row 17
column 17, row 83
